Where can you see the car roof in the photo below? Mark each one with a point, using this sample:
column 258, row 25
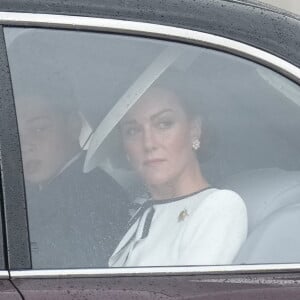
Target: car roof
column 252, row 22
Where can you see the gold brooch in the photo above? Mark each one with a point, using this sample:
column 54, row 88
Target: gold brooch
column 183, row 214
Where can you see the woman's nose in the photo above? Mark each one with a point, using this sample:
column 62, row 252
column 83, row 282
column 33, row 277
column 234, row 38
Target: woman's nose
column 149, row 140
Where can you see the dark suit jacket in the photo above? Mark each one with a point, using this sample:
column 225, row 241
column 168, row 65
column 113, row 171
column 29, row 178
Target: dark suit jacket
column 77, row 219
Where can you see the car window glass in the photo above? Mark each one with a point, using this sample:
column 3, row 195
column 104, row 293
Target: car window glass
column 143, row 152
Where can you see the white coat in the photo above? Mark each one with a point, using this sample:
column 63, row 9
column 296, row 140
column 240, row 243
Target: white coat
column 205, row 228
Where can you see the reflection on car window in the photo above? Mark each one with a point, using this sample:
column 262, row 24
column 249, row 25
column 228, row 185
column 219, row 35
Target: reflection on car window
column 138, row 152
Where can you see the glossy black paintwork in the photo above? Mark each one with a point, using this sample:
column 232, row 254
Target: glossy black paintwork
column 11, row 172
column 245, row 21
column 8, row 291
column 216, row 287
column 240, row 20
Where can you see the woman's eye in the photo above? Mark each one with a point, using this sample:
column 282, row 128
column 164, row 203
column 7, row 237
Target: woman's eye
column 165, row 124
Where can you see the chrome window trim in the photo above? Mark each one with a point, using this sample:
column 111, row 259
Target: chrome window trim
column 153, row 30
column 173, row 34
column 156, row 271
column 4, row 274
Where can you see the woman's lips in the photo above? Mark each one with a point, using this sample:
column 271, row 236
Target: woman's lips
column 154, row 162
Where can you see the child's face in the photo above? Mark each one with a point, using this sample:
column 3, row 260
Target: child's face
column 46, row 140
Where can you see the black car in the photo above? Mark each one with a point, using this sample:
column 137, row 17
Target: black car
column 92, row 60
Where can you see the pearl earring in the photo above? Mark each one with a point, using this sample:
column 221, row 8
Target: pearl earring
column 196, row 144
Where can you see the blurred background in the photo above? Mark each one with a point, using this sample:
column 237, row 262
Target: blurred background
column 290, row 5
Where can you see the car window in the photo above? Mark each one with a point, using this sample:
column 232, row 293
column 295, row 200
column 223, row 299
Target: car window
column 143, row 152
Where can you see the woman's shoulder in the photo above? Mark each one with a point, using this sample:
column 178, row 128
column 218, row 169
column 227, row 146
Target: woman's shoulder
column 225, row 196
column 223, row 201
column 219, row 216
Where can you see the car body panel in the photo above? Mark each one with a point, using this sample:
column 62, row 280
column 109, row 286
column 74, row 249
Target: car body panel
column 8, row 291
column 245, row 22
column 281, row 286
column 12, row 175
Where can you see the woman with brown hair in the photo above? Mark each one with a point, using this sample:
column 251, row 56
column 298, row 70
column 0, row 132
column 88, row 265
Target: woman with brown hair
column 185, row 221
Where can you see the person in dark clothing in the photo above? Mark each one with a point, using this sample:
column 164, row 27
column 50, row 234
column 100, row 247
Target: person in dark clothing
column 76, row 219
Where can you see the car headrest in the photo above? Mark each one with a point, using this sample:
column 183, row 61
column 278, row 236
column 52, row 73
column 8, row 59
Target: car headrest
column 265, row 191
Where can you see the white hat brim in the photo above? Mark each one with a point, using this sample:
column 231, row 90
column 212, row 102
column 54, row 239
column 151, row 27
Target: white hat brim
column 159, row 65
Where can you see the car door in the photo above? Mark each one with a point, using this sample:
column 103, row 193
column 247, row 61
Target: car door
column 8, row 184
column 250, row 115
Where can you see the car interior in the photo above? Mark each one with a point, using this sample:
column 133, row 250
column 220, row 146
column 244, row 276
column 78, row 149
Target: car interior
column 250, row 122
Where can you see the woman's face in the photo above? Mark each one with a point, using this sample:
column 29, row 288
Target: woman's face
column 157, row 136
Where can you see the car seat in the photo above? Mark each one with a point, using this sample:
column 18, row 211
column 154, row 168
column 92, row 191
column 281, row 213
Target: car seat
column 272, row 197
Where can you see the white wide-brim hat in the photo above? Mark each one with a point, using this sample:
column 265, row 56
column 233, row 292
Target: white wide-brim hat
column 175, row 56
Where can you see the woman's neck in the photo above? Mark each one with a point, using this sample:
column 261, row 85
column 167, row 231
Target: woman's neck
column 189, row 181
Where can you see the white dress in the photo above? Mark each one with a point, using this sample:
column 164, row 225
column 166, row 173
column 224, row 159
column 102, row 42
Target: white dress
column 205, row 228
